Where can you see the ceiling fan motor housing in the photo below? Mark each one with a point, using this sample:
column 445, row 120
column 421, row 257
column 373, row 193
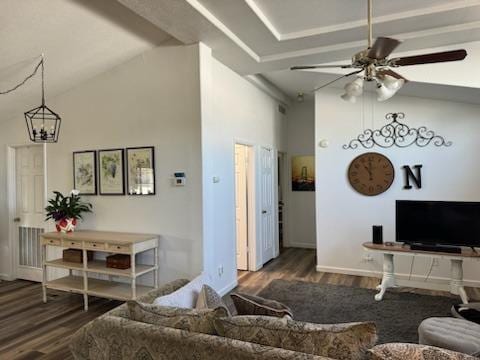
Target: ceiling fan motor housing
column 361, row 58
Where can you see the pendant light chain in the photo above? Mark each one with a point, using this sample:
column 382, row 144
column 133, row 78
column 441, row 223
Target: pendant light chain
column 26, row 79
column 43, row 80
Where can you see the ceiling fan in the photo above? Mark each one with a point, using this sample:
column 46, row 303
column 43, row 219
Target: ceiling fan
column 376, row 66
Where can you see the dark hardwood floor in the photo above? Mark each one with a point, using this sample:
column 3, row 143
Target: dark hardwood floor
column 299, row 264
column 30, row 329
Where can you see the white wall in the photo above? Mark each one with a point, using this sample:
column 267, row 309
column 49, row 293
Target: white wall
column 153, row 99
column 232, row 110
column 192, row 109
column 300, row 205
column 345, row 218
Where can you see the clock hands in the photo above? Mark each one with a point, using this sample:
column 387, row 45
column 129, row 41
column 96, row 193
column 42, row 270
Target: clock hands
column 369, row 170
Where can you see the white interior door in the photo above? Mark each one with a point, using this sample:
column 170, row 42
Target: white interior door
column 268, row 208
column 241, row 205
column 29, row 220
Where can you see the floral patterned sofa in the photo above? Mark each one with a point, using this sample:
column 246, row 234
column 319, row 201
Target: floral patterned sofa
column 114, row 336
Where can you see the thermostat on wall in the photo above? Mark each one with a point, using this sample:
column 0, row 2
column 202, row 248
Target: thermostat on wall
column 179, row 179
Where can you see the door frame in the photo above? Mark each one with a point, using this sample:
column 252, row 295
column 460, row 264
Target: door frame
column 244, row 193
column 12, row 202
column 285, row 178
column 251, row 204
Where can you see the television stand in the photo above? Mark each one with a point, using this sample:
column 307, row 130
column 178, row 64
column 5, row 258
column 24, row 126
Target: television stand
column 389, row 279
column 436, row 248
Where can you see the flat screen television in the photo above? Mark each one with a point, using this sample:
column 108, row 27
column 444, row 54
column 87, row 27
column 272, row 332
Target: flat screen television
column 450, row 223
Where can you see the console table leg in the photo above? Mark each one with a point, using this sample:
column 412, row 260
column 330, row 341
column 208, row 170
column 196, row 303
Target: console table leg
column 85, row 279
column 155, row 272
column 456, row 282
column 388, row 280
column 134, row 281
column 44, row 273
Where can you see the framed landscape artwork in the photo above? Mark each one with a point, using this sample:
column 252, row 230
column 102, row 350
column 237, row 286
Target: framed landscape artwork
column 85, row 172
column 141, row 170
column 303, row 173
column 111, row 172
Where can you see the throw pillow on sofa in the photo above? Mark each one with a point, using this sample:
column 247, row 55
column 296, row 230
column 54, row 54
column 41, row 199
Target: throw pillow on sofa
column 255, row 305
column 185, row 297
column 210, row 299
column 401, row 351
column 339, row 341
column 195, row 320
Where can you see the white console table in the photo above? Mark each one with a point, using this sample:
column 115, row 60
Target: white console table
column 389, row 281
column 106, row 242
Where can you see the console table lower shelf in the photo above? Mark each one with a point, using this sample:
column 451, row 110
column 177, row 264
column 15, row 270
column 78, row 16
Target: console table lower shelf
column 79, row 278
column 389, row 279
column 101, row 288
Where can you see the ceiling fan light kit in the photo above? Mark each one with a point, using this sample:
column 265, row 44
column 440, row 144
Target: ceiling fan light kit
column 391, row 83
column 349, row 98
column 376, row 66
column 384, row 93
column 353, row 90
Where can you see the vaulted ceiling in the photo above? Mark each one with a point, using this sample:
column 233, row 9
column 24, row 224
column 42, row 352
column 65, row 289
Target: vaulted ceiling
column 80, row 39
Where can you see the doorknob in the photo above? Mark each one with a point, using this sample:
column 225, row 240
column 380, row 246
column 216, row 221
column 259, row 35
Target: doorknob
column 264, row 211
column 17, row 219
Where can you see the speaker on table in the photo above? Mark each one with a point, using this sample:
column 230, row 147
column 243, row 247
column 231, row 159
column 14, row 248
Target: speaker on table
column 377, row 234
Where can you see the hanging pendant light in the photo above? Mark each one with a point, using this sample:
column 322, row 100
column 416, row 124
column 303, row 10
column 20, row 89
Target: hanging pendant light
column 43, row 124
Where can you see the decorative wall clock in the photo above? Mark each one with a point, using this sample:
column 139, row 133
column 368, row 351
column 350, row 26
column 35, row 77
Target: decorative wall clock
column 371, row 173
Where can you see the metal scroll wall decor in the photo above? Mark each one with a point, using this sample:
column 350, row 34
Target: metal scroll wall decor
column 396, row 133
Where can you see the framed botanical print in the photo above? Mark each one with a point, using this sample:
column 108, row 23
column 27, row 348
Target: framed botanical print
column 85, row 172
column 111, row 171
column 141, row 170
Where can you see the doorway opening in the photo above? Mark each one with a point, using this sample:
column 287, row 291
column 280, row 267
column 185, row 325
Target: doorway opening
column 26, row 184
column 244, row 206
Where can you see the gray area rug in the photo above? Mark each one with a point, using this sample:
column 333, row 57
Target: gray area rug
column 397, row 317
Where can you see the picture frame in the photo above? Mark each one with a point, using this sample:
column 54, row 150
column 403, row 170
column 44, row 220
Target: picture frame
column 303, row 173
column 141, row 170
column 111, row 171
column 85, row 172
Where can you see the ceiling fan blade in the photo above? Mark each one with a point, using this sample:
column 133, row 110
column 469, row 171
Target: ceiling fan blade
column 444, row 56
column 391, row 73
column 310, row 67
column 382, row 47
column 338, row 78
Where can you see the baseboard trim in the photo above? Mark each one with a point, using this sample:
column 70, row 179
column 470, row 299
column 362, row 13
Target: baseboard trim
column 433, row 282
column 301, row 245
column 228, row 288
column 6, row 277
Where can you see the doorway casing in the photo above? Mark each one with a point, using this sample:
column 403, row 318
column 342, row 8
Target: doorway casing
column 255, row 256
column 12, row 203
column 251, row 205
